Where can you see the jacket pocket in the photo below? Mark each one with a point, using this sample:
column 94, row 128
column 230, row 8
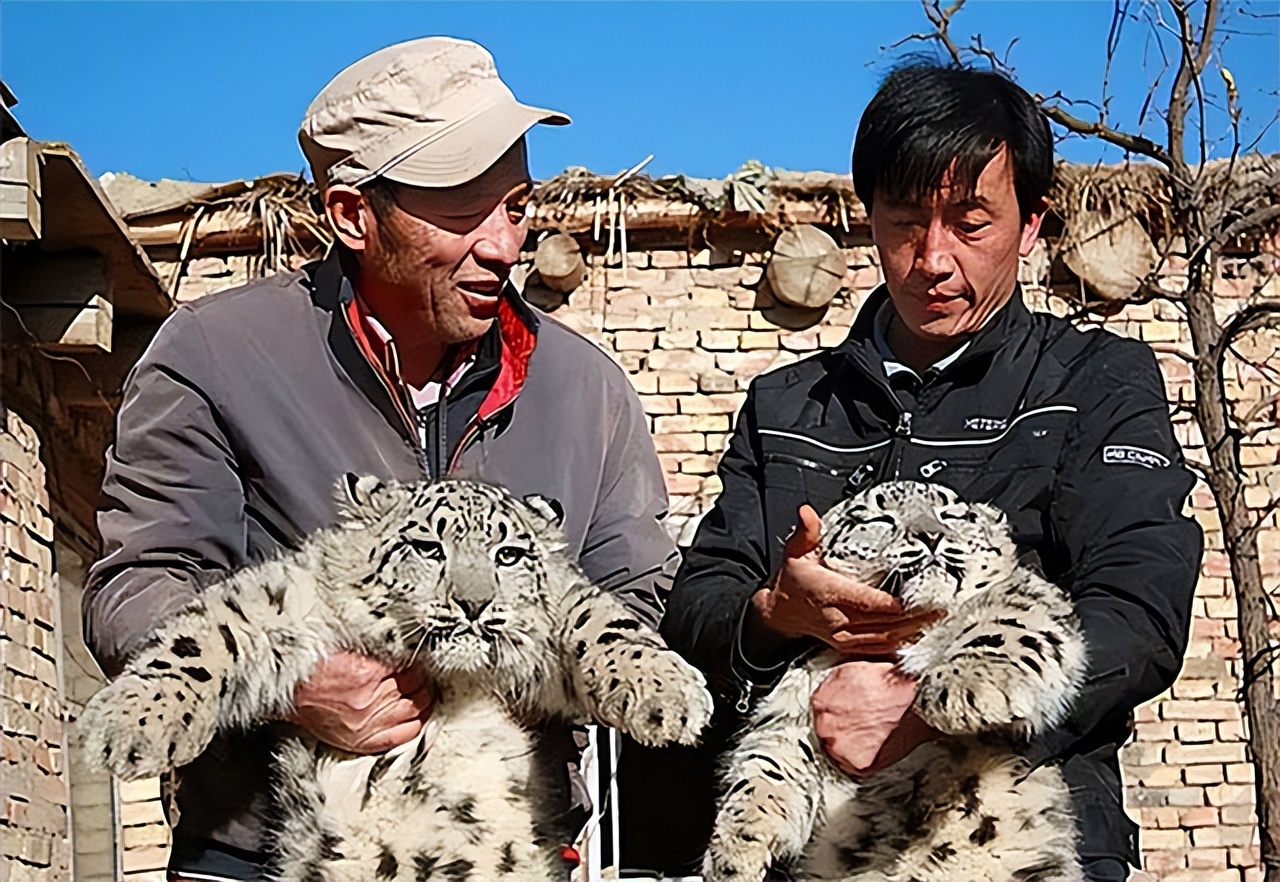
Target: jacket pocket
column 820, row 484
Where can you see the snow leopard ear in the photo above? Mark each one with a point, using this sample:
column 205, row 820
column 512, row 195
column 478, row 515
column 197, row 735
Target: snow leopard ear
column 364, row 497
column 550, row 509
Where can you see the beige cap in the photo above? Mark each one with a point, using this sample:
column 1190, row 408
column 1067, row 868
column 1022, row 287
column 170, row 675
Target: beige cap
column 431, row 112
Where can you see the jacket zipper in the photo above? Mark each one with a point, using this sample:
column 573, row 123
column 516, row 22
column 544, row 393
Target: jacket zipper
column 476, row 427
column 902, row 438
column 408, row 418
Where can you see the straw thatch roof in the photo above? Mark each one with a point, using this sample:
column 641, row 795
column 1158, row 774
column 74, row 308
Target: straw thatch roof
column 272, row 217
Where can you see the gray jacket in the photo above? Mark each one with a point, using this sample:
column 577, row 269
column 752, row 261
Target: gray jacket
column 249, row 405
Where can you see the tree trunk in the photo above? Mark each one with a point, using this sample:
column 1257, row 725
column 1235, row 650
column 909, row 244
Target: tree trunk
column 1240, row 542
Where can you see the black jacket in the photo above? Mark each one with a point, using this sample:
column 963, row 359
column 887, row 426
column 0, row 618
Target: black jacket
column 1067, row 431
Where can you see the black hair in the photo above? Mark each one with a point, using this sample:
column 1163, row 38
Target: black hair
column 381, row 195
column 927, row 117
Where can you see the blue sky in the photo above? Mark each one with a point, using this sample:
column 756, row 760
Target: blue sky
column 214, row 90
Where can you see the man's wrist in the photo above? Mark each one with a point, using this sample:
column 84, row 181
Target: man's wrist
column 763, row 649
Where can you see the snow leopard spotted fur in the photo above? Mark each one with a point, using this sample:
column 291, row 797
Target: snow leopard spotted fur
column 461, row 578
column 1003, row 663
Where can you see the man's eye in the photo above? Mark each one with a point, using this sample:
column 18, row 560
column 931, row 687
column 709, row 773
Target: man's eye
column 520, row 208
column 970, row 228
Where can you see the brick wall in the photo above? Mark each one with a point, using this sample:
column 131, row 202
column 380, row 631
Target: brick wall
column 692, row 331
column 34, row 834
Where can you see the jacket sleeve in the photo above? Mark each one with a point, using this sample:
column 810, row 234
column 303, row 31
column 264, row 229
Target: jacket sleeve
column 173, row 505
column 1133, row 557
column 723, row 568
column 628, row 550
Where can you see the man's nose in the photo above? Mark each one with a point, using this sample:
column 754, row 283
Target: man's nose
column 935, row 256
column 499, row 238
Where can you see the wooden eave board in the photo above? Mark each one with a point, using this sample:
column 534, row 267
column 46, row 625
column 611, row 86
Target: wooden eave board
column 78, row 215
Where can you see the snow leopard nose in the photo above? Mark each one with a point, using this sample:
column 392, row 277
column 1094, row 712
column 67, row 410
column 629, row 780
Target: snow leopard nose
column 473, row 606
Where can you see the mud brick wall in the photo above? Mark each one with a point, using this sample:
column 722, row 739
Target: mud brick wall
column 34, row 832
column 691, row 331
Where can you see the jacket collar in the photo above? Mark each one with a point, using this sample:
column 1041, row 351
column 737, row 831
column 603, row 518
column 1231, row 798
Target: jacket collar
column 509, row 345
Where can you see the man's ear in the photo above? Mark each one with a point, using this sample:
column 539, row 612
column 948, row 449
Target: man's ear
column 349, row 214
column 1031, row 228
column 550, row 509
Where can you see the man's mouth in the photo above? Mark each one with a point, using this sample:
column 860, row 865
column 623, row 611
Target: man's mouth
column 480, row 288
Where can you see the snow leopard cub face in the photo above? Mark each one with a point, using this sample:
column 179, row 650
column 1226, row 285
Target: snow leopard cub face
column 919, row 541
column 459, row 567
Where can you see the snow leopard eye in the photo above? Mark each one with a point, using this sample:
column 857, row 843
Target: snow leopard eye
column 427, row 548
column 510, row 555
column 959, row 512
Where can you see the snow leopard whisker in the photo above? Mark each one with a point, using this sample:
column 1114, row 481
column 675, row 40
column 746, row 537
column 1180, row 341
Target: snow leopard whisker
column 413, row 657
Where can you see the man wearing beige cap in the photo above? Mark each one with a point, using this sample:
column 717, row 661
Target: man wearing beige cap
column 404, row 354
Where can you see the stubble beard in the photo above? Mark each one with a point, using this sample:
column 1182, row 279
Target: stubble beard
column 438, row 307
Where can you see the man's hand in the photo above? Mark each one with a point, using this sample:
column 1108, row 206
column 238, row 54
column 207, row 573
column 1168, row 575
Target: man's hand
column 807, row 599
column 862, row 717
column 360, row 705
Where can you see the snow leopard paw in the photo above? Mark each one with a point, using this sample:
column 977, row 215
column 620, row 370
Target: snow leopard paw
column 736, row 856
column 653, row 695
column 139, row 727
column 967, row 695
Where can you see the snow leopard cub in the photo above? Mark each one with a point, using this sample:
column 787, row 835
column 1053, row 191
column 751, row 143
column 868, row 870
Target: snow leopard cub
column 1005, row 662
column 461, row 578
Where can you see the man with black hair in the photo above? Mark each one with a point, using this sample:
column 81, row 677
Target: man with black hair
column 947, row 377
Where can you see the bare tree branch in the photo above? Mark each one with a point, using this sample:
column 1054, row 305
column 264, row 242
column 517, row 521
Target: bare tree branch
column 941, row 20
column 1132, row 143
column 1195, row 55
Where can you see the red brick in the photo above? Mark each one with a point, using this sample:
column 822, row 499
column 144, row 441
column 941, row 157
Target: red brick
column 1196, row 732
column 1200, row 710
column 696, row 464
column 645, row 383
column 1207, row 858
column 1162, row 731
column 716, row 381
column 725, row 341
column 1239, row 815
column 1163, row 859
column 1230, row 794
column 1222, row 835
column 659, row 404
column 683, row 485
column 1200, row 875
column 680, row 442
column 1190, row 754
column 1203, row 775
column 642, row 340
column 1240, row 773
column 682, row 361
column 759, row 339
column 1200, row 816
column 717, row 404
column 1164, row 840
column 675, row 383
column 1161, row 817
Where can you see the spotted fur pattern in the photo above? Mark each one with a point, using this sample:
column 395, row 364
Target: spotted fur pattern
column 458, row 577
column 1003, row 663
